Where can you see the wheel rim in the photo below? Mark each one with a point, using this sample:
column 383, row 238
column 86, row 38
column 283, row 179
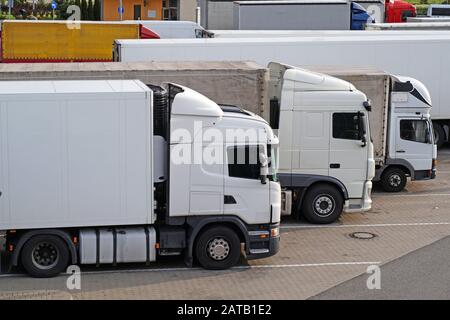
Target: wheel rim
column 395, row 180
column 324, row 205
column 45, row 255
column 218, row 248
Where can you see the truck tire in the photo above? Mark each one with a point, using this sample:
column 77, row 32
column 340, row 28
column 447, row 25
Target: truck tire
column 439, row 135
column 393, row 180
column 45, row 256
column 218, row 248
column 322, row 204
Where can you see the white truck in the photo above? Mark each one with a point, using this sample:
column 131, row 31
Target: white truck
column 396, row 54
column 400, row 125
column 375, row 32
column 101, row 172
column 326, row 155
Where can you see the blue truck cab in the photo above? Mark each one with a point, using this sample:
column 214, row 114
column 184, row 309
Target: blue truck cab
column 359, row 17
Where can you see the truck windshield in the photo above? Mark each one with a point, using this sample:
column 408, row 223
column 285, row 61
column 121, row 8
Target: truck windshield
column 273, row 150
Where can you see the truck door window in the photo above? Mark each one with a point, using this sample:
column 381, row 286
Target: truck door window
column 415, row 130
column 243, row 162
column 346, row 126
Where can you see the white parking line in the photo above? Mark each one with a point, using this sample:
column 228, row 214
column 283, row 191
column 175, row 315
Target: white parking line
column 300, row 265
column 308, row 226
column 269, row 266
column 390, row 195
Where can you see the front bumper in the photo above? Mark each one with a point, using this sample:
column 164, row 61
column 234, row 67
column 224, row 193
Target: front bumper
column 263, row 243
column 425, row 174
column 360, row 205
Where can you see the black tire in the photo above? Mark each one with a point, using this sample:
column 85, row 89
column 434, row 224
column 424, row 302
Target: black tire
column 439, row 135
column 322, row 204
column 393, row 180
column 228, row 248
column 45, row 256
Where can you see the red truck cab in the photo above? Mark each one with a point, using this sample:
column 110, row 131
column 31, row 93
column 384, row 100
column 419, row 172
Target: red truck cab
column 398, row 11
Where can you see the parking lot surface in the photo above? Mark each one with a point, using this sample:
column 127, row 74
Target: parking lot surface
column 313, row 260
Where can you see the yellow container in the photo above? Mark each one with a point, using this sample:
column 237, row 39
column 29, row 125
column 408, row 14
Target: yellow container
column 61, row 41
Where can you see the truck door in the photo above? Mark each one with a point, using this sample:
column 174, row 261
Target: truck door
column 207, row 181
column 310, row 142
column 245, row 195
column 414, row 143
column 348, row 154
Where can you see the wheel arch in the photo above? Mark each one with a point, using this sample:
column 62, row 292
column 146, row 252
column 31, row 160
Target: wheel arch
column 198, row 225
column 400, row 164
column 63, row 235
column 304, row 182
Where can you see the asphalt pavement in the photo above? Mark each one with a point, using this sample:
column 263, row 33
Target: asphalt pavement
column 422, row 274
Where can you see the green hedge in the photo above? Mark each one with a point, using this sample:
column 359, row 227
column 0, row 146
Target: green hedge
column 421, row 9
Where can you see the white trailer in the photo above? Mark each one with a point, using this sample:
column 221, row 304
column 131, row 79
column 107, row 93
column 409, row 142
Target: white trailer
column 409, row 26
column 90, row 175
column 395, row 54
column 237, row 34
column 427, row 19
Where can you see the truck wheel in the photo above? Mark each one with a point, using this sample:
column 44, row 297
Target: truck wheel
column 439, row 134
column 322, row 204
column 45, row 256
column 393, row 180
column 218, row 248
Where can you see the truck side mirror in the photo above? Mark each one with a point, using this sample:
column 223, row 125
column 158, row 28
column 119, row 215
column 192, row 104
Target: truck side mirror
column 361, row 128
column 264, row 167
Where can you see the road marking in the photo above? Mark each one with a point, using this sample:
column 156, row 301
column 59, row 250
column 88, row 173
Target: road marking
column 389, row 195
column 273, row 266
column 325, row 264
column 307, row 226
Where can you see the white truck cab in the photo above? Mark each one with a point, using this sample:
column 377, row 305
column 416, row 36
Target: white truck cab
column 228, row 146
column 411, row 149
column 326, row 154
column 400, row 124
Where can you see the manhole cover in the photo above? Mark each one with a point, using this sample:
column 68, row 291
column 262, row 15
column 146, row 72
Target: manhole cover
column 363, row 235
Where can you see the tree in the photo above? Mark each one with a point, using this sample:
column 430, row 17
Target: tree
column 84, row 10
column 97, row 10
column 90, row 11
